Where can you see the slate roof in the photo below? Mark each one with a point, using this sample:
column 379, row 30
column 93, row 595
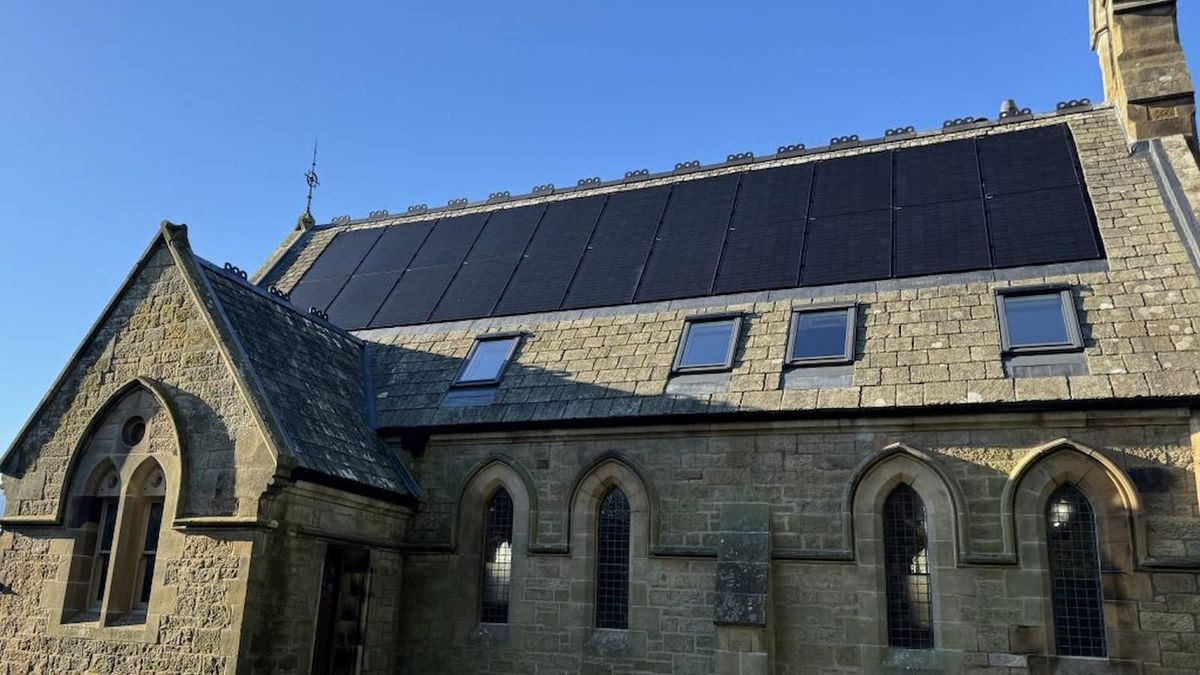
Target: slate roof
column 976, row 203
column 312, row 376
column 929, row 340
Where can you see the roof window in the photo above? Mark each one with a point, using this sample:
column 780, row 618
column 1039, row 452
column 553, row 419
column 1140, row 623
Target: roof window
column 822, row 335
column 488, row 358
column 708, row 343
column 1038, row 320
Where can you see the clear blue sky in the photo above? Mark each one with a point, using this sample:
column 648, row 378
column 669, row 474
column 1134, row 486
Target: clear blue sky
column 205, row 113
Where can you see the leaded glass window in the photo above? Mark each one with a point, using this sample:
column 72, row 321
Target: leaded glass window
column 497, row 558
column 612, row 562
column 906, row 560
column 1075, row 588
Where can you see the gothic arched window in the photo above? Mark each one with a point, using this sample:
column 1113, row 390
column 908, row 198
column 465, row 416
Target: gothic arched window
column 497, row 558
column 906, row 562
column 612, row 561
column 1075, row 589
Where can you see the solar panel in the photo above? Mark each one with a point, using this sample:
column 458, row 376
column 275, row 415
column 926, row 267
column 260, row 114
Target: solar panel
column 1035, row 159
column 449, row 241
column 316, row 292
column 878, row 215
column 360, row 298
column 848, row 247
column 766, row 233
column 613, row 262
column 342, row 255
column 491, row 262
column 1044, row 226
column 853, row 184
column 939, row 172
column 396, row 248
column 684, row 256
column 548, row 264
column 941, row 238
column 415, row 295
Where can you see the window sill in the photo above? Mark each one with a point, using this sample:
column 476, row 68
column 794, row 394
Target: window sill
column 491, row 634
column 1056, row 364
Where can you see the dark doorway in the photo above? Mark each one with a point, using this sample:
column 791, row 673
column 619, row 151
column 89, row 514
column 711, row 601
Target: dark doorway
column 340, row 617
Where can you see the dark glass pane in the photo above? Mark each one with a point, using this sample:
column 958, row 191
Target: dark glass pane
column 153, row 525
column 820, row 334
column 707, row 343
column 487, row 361
column 497, row 559
column 102, row 578
column 906, row 561
column 147, row 579
column 612, row 562
column 1035, row 320
column 1075, row 589
column 109, row 526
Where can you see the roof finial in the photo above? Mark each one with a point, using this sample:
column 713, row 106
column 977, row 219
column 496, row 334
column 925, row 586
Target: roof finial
column 306, row 220
column 311, row 177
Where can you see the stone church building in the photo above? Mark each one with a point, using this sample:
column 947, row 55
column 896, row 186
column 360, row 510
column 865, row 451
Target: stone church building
column 922, row 403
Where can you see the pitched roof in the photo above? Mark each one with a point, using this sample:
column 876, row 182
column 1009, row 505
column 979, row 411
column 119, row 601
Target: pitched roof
column 313, row 379
column 304, row 380
column 985, row 199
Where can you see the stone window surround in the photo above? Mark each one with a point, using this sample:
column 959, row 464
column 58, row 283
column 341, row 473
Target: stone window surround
column 477, row 493
column 905, row 466
column 590, row 488
column 1109, row 493
column 134, row 466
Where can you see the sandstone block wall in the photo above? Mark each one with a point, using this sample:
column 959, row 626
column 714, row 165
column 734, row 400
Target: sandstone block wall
column 826, row 585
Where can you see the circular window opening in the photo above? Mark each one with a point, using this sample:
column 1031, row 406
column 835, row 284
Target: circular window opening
column 134, row 431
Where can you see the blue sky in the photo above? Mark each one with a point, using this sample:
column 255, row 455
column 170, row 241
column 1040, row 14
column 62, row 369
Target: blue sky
column 205, row 113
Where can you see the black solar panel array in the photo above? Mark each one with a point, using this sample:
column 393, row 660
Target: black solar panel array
column 1003, row 200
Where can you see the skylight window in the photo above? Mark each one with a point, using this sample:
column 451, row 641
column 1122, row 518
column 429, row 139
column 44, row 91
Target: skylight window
column 708, row 343
column 487, row 360
column 822, row 335
column 1038, row 320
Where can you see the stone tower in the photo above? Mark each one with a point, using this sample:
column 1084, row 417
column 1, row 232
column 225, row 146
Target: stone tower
column 1142, row 63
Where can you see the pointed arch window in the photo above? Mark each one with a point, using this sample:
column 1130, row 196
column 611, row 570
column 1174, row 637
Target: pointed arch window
column 906, row 561
column 1076, row 593
column 150, row 525
column 107, row 499
column 497, row 558
column 612, row 561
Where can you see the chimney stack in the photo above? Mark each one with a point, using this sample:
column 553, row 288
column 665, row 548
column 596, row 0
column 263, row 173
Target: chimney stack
column 1141, row 60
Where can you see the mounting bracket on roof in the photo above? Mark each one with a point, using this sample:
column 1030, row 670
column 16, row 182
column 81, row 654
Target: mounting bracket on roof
column 341, row 220
column 637, row 174
column 583, row 182
column 844, row 141
column 379, row 213
column 1016, row 114
column 544, row 189
column 501, row 196
column 457, row 203
column 899, row 131
column 234, row 270
column 962, row 122
column 739, row 158
column 274, row 290
column 418, row 208
column 790, row 150
column 1072, row 105
column 313, row 311
column 687, row 167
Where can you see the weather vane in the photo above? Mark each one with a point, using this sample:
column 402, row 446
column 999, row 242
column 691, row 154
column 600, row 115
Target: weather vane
column 311, row 177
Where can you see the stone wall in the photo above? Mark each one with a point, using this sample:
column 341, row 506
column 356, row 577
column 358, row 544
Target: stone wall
column 825, row 579
column 285, row 583
column 216, row 463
